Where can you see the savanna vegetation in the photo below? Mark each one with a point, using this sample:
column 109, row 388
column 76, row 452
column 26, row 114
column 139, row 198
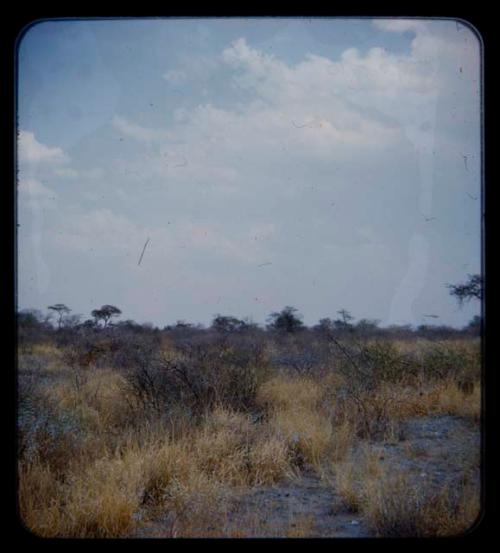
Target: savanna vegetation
column 122, row 425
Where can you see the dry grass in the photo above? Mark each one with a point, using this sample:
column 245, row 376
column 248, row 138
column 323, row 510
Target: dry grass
column 236, row 452
column 97, row 396
column 394, row 503
column 39, row 496
column 449, row 399
column 352, row 474
column 440, row 398
column 45, row 358
column 284, row 393
column 342, row 439
column 124, row 468
column 395, row 506
column 184, row 476
column 296, row 416
column 346, row 486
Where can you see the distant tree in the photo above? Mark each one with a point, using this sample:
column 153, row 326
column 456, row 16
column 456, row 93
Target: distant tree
column 34, row 319
column 129, row 324
column 248, row 324
column 367, row 326
column 32, row 325
column 472, row 289
column 344, row 323
column 61, row 310
column 436, row 331
column 88, row 323
column 287, row 320
column 227, row 324
column 72, row 321
column 28, row 318
column 105, row 314
column 399, row 330
column 324, row 325
column 475, row 324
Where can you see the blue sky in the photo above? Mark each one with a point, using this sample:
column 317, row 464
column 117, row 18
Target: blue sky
column 319, row 163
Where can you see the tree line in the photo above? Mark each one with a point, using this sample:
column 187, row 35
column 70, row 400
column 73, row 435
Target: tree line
column 288, row 320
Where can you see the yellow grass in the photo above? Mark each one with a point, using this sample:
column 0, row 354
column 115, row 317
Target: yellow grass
column 296, row 416
column 105, row 497
column 124, row 471
column 395, row 507
column 395, row 504
column 289, row 394
column 443, row 398
column 96, row 396
column 345, row 485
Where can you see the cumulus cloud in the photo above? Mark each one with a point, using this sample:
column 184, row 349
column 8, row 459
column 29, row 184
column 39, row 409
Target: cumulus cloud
column 320, row 79
column 31, row 151
column 317, row 109
column 369, row 106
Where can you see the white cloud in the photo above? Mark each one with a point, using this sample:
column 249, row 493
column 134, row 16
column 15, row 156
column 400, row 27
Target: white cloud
column 101, row 231
column 32, row 151
column 335, row 89
column 317, row 110
column 400, row 25
column 360, row 106
column 107, row 233
column 33, row 193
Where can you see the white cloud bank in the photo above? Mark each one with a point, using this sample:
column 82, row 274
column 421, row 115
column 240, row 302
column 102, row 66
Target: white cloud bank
column 320, row 109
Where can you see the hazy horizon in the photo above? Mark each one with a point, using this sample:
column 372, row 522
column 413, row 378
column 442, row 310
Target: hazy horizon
column 320, row 163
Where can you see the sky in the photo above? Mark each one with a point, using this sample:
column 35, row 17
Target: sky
column 321, row 163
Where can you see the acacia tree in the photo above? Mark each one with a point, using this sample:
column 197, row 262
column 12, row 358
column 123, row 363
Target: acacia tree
column 61, row 311
column 287, row 320
column 105, row 314
column 472, row 289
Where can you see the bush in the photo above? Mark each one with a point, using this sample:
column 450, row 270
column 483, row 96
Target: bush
column 457, row 361
column 198, row 378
